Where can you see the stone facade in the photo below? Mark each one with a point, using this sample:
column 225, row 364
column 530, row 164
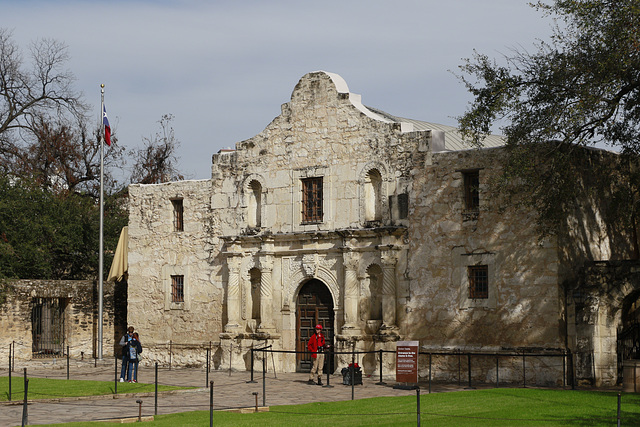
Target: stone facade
column 381, row 212
column 31, row 309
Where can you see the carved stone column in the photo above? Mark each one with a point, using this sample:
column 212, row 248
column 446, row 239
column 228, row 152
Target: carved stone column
column 233, row 294
column 266, row 293
column 351, row 260
column 389, row 284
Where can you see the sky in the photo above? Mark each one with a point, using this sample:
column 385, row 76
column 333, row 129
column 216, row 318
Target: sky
column 223, row 68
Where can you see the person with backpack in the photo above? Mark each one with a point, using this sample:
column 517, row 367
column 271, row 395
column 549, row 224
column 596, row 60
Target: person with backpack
column 124, row 343
column 135, row 348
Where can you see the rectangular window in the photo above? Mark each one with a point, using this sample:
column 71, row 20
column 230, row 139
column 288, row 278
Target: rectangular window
column 178, row 213
column 177, row 288
column 478, row 281
column 471, row 191
column 312, row 200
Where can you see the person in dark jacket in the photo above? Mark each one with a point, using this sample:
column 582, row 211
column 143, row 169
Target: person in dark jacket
column 135, row 348
column 124, row 343
column 317, row 346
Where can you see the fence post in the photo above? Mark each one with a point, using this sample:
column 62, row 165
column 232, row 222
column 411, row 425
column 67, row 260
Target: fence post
column 211, row 404
column 170, row 352
column 25, row 413
column 380, row 360
column 353, row 371
column 469, row 370
column 327, row 363
column 207, row 381
column 10, row 368
column 618, row 409
column 418, row 406
column 459, row 368
column 67, row 362
column 13, row 356
column 155, row 411
column 115, row 377
column 429, row 373
column 497, row 372
column 264, row 377
column 524, row 371
column 564, row 368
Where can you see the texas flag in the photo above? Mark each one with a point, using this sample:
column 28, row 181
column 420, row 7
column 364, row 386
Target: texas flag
column 107, row 128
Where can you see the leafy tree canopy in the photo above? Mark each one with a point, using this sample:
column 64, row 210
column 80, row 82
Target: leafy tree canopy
column 45, row 235
column 580, row 89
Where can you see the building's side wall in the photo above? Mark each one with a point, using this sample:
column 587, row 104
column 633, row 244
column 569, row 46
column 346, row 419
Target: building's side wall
column 522, row 310
column 156, row 252
column 80, row 314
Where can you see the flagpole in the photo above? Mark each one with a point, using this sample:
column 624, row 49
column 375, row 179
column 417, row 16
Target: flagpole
column 100, row 261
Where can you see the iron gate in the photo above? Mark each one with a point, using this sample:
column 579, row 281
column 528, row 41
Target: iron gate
column 47, row 327
column 628, row 345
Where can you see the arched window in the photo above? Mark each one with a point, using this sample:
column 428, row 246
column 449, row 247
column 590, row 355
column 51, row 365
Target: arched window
column 373, row 196
column 254, row 205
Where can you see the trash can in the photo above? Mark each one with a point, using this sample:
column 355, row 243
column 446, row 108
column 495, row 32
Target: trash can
column 357, row 375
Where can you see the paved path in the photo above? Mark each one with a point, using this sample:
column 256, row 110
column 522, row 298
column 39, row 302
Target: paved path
column 229, row 391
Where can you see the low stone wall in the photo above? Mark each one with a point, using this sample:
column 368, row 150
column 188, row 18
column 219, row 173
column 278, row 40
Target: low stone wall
column 79, row 302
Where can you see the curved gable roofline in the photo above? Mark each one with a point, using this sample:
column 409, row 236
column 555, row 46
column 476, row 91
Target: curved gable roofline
column 356, row 100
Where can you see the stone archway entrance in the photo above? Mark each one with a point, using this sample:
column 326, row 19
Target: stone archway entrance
column 606, row 301
column 314, row 305
column 628, row 340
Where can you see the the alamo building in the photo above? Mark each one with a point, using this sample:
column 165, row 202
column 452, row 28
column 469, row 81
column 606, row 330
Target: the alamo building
column 379, row 228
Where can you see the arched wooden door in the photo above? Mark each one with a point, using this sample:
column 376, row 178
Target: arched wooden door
column 313, row 306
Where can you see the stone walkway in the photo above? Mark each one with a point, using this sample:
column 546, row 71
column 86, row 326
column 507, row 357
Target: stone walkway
column 229, row 391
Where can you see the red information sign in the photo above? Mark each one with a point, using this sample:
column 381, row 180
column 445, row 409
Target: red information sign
column 407, row 362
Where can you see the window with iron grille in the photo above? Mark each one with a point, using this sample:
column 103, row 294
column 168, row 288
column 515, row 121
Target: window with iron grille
column 478, row 281
column 312, row 199
column 177, row 288
column 471, row 191
column 178, row 213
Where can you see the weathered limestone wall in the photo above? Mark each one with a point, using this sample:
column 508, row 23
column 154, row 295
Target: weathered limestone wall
column 157, row 251
column 522, row 310
column 80, row 314
column 319, row 133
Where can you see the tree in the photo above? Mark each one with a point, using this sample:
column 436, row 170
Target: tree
column 580, row 89
column 156, row 161
column 43, row 125
column 44, row 235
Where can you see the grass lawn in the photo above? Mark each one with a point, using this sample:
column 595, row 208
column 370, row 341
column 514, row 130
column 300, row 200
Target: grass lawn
column 493, row 407
column 46, row 388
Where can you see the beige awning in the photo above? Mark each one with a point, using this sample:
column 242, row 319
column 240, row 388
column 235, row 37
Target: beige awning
column 120, row 265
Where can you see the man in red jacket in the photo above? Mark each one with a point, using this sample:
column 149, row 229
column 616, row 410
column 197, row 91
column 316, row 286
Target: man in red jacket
column 316, row 346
